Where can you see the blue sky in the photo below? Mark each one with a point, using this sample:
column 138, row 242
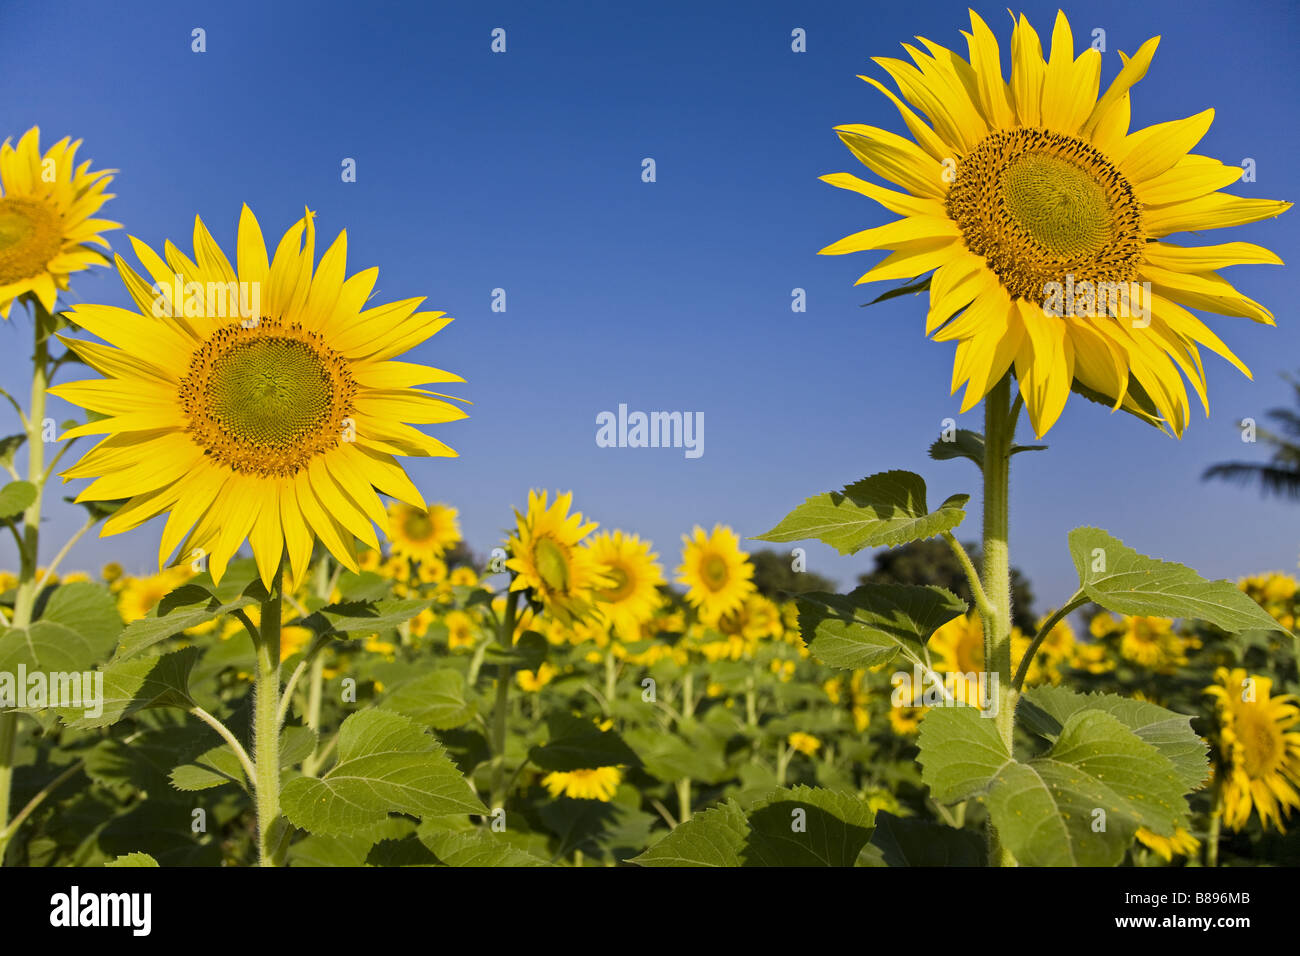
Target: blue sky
column 522, row 171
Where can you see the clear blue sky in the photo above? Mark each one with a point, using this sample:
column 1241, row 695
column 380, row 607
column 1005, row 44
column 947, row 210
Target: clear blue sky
column 522, row 171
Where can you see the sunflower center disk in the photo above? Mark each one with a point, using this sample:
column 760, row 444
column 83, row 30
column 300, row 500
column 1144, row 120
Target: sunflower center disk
column 30, row 236
column 267, row 399
column 552, row 565
column 1263, row 745
column 714, row 571
column 418, row 526
column 620, row 586
column 1046, row 209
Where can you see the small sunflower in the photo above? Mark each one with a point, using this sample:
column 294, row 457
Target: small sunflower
column 46, row 207
column 422, row 534
column 546, row 557
column 278, row 426
column 1260, row 753
column 533, row 681
column 1182, row 843
column 806, row 744
column 1023, row 187
column 1151, row 642
column 717, row 574
column 600, row 783
column 906, row 721
column 461, row 631
column 634, row 575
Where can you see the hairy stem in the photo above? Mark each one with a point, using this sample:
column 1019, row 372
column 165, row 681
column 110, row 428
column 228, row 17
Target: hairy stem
column 501, row 709
column 999, row 429
column 266, row 727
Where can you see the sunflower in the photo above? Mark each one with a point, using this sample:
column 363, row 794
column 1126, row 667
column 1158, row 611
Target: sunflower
column 461, row 631
column 634, row 576
column 1182, row 843
column 806, row 744
column 600, row 783
column 716, row 572
column 906, row 721
column 1042, row 219
column 533, row 681
column 138, row 596
column 1151, row 642
column 278, row 426
column 1260, row 753
column 422, row 534
column 46, row 205
column 545, row 557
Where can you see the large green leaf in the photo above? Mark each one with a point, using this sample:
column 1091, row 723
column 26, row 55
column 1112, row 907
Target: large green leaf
column 1079, row 804
column 577, row 744
column 873, row 622
column 1044, row 710
column 87, row 608
column 712, row 838
column 386, row 764
column 219, row 766
column 136, row 859
column 187, row 606
column 15, row 498
column 477, row 848
column 905, row 842
column 139, row 684
column 805, row 826
column 365, row 617
column 1121, row 580
column 884, row 509
column 435, row 700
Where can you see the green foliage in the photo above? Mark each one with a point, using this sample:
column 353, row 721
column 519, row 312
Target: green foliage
column 874, row 622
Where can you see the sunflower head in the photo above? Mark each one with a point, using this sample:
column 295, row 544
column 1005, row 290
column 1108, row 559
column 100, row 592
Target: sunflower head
column 47, row 224
column 1042, row 221
column 633, row 577
column 1259, row 750
column 598, row 783
column 423, row 534
column 259, row 400
column 717, row 574
column 547, row 559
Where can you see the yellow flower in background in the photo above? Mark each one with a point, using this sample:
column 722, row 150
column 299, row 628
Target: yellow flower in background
column 422, row 534
column 1260, row 753
column 461, row 631
column 906, row 721
column 1104, row 624
column 138, row 596
column 463, row 577
column 111, row 573
column 598, row 784
column 1181, row 843
column 634, row 577
column 47, row 205
column 1020, row 189
column 277, row 427
column 1056, row 651
column 545, row 556
column 1275, row 592
column 717, row 574
column 1091, row 658
column 533, row 681
column 804, row 743
column 1150, row 642
column 432, row 571
column 958, row 646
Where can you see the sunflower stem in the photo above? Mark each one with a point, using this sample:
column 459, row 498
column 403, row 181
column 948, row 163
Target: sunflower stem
column 29, row 544
column 1216, row 820
column 266, row 727
column 501, row 709
column 999, row 429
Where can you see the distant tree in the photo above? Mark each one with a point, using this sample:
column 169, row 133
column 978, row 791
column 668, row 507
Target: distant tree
column 932, row 562
column 461, row 555
column 1281, row 476
column 774, row 575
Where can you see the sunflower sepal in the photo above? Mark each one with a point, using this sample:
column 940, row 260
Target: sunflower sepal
column 1120, row 579
column 915, row 287
column 969, row 444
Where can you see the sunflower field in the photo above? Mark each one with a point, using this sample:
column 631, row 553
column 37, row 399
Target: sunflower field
column 323, row 672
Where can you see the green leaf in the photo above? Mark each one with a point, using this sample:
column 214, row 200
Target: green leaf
column 364, row 617
column 527, row 654
column 133, row 859
column 712, row 838
column 803, row 826
column 872, row 623
column 16, row 497
column 386, row 764
column 577, row 744
column 219, row 766
column 968, row 444
column 1121, row 580
column 87, row 608
column 884, row 509
column 8, row 445
column 476, row 848
column 671, row 757
column 139, row 684
column 187, row 606
column 1046, row 810
column 435, row 700
column 1043, row 710
column 904, row 842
